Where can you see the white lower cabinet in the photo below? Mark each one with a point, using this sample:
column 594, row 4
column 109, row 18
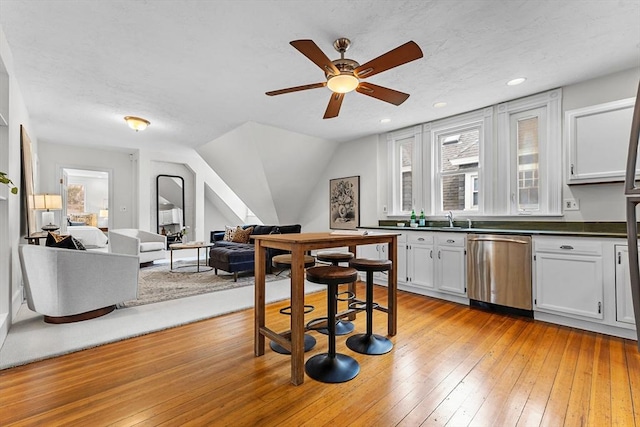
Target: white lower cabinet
column 381, row 251
column 436, row 265
column 583, row 282
column 419, row 270
column 624, row 303
column 451, row 264
column 569, row 277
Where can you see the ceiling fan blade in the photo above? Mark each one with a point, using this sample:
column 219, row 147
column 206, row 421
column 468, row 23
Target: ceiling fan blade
column 334, row 105
column 408, row 52
column 382, row 93
column 296, row 88
column 311, row 50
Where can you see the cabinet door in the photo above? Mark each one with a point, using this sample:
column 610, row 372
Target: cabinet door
column 570, row 284
column 450, row 270
column 421, row 265
column 624, row 303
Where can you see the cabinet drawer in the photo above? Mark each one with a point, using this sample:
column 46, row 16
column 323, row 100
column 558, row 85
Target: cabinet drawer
column 454, row 240
column 420, row 238
column 568, row 246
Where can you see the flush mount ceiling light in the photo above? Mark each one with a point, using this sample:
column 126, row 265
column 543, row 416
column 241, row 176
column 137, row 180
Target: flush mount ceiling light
column 516, row 82
column 385, row 120
column 137, row 123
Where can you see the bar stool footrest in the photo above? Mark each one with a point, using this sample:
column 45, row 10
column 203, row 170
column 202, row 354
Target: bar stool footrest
column 287, row 310
column 350, row 296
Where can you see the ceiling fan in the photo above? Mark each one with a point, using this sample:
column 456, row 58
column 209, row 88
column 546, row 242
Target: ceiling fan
column 345, row 75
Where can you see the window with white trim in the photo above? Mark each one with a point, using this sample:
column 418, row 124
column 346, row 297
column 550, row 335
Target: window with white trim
column 529, row 133
column 405, row 170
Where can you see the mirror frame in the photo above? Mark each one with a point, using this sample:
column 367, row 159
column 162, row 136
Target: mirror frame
column 158, row 200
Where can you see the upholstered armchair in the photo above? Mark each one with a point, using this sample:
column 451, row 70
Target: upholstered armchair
column 67, row 285
column 147, row 246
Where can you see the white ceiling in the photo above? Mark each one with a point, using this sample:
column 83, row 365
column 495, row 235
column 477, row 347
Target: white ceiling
column 198, row 69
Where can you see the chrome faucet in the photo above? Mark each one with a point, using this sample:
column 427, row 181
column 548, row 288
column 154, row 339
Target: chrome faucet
column 469, row 223
column 449, row 216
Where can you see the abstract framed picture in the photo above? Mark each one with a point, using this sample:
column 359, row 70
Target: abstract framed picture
column 344, row 203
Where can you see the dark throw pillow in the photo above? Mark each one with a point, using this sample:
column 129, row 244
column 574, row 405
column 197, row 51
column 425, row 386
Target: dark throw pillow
column 65, row 242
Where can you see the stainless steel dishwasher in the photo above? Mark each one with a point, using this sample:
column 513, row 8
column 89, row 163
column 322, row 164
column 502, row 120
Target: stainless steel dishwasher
column 499, row 270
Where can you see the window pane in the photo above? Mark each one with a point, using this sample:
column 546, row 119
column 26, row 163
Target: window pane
column 453, row 192
column 528, row 166
column 406, row 163
column 459, row 158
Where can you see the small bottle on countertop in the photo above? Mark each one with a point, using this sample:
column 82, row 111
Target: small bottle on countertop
column 421, row 221
column 413, row 216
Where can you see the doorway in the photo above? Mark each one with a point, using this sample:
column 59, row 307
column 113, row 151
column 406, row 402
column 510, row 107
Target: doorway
column 86, row 197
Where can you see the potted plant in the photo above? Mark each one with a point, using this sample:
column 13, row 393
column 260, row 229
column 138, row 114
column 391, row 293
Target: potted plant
column 4, row 179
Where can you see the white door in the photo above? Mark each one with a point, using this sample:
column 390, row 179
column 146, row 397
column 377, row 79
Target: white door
column 450, row 270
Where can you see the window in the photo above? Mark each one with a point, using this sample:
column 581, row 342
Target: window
column 457, row 152
column 405, row 170
column 529, row 131
column 459, row 159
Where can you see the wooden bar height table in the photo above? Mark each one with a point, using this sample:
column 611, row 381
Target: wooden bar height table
column 299, row 244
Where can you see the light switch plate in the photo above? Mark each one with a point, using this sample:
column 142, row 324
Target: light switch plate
column 571, row 204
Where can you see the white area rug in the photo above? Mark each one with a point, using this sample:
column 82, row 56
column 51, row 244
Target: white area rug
column 30, row 339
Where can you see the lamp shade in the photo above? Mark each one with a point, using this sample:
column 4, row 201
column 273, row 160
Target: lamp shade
column 104, row 213
column 47, row 201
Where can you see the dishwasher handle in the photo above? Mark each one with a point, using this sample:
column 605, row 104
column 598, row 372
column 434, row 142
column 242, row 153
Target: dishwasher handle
column 511, row 239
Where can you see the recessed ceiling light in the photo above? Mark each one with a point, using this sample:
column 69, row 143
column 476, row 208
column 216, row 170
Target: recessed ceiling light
column 385, row 120
column 439, row 104
column 515, row 82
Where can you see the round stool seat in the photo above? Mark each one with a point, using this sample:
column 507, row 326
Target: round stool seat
column 334, row 257
column 366, row 264
column 332, row 275
column 284, row 261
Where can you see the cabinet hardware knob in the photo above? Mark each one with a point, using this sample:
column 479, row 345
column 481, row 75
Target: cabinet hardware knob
column 599, row 307
column 421, row 239
column 431, row 254
column 450, row 241
column 438, row 254
column 566, row 247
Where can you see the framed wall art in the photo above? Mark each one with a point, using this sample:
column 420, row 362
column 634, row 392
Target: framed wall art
column 344, row 203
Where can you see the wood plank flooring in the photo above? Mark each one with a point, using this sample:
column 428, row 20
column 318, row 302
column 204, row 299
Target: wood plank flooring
column 451, row 365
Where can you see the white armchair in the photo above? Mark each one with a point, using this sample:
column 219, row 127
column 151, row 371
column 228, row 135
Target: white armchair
column 147, row 246
column 68, row 285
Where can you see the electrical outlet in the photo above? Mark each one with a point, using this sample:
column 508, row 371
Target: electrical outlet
column 384, row 209
column 571, row 204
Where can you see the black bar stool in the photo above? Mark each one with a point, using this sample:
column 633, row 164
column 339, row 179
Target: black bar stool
column 331, row 367
column 369, row 343
column 343, row 327
column 284, row 262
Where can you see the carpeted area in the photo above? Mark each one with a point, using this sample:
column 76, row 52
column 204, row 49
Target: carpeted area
column 158, row 283
column 30, row 339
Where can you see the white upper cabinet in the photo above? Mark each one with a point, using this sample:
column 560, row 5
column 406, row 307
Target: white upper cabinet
column 597, row 141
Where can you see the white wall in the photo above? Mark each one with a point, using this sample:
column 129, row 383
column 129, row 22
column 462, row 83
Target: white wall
column 599, row 202
column 14, row 111
column 355, row 158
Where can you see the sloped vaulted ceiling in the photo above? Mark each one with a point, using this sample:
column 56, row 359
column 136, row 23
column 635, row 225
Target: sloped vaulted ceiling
column 270, row 169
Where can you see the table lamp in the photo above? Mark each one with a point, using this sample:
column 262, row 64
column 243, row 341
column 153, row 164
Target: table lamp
column 48, row 202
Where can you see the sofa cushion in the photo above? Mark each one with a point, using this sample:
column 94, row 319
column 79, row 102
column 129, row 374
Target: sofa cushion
column 287, row 229
column 65, row 242
column 151, row 246
column 242, row 235
column 228, row 233
column 259, row 230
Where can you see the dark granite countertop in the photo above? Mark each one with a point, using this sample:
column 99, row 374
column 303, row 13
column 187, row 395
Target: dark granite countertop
column 577, row 229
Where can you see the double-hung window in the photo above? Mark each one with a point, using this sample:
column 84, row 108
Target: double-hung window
column 457, row 146
column 529, row 135
column 404, row 149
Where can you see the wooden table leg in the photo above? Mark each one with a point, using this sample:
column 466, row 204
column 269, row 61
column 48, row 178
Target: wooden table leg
column 392, row 288
column 297, row 316
column 259, row 300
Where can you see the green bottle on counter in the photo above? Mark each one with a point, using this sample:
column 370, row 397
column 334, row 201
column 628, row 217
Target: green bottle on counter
column 422, row 220
column 413, row 216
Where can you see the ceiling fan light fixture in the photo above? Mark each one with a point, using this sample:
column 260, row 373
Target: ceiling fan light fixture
column 343, row 83
column 137, row 123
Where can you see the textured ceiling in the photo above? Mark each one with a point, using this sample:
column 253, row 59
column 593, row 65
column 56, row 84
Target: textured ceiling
column 198, row 69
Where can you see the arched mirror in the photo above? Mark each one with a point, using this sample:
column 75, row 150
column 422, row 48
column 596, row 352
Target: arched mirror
column 170, row 204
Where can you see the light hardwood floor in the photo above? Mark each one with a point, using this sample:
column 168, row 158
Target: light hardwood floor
column 451, row 365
